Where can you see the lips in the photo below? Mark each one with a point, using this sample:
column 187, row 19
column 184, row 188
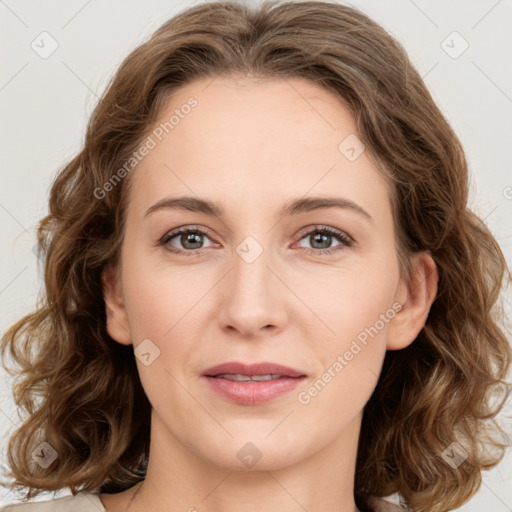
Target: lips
column 249, row 370
column 252, row 384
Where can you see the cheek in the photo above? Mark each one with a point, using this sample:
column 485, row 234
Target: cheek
column 161, row 313
column 357, row 311
column 167, row 307
column 351, row 359
column 346, row 299
column 158, row 297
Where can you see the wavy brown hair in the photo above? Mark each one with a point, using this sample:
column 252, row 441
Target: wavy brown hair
column 81, row 389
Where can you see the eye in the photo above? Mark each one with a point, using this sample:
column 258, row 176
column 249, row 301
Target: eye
column 190, row 239
column 322, row 237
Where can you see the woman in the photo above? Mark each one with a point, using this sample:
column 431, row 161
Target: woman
column 264, row 288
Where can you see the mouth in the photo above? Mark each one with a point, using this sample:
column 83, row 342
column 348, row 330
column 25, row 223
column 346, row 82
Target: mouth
column 257, row 371
column 252, row 384
column 246, row 378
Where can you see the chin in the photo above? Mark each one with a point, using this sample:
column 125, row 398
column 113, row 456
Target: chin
column 242, row 454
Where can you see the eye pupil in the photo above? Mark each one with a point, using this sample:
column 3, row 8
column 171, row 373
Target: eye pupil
column 321, row 238
column 193, row 238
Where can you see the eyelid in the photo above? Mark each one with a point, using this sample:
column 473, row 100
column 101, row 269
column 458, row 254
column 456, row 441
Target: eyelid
column 323, row 227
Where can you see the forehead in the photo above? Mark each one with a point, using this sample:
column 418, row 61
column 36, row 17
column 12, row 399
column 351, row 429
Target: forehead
column 253, row 139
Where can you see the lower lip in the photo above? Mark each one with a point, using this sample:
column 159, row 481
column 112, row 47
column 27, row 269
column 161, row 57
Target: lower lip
column 253, row 392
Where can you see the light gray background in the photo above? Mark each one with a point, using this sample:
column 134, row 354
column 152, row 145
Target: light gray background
column 45, row 104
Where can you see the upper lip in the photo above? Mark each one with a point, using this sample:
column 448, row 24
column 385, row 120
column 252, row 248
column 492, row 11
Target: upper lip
column 262, row 368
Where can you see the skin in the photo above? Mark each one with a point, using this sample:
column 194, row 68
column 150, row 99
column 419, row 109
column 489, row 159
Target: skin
column 252, row 146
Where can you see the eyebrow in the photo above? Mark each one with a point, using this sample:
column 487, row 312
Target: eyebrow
column 294, row 207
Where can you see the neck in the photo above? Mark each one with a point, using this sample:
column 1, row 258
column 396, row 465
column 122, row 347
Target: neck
column 180, row 478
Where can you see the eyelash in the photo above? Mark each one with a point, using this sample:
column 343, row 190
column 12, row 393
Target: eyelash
column 345, row 240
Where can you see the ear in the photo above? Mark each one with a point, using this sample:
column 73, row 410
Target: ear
column 117, row 319
column 416, row 296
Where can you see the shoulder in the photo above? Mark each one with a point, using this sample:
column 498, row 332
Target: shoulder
column 382, row 505
column 81, row 502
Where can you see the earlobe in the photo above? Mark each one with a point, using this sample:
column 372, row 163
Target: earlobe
column 117, row 320
column 417, row 297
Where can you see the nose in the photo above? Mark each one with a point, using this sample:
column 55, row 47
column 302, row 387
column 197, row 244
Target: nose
column 252, row 299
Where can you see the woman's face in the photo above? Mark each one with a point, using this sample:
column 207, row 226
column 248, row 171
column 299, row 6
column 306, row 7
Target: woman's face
column 265, row 283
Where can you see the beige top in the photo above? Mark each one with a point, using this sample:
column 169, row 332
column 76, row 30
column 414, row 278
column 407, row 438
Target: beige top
column 81, row 502
column 90, row 502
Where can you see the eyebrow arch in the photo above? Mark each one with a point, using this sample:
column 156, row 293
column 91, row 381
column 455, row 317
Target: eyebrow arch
column 294, row 207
